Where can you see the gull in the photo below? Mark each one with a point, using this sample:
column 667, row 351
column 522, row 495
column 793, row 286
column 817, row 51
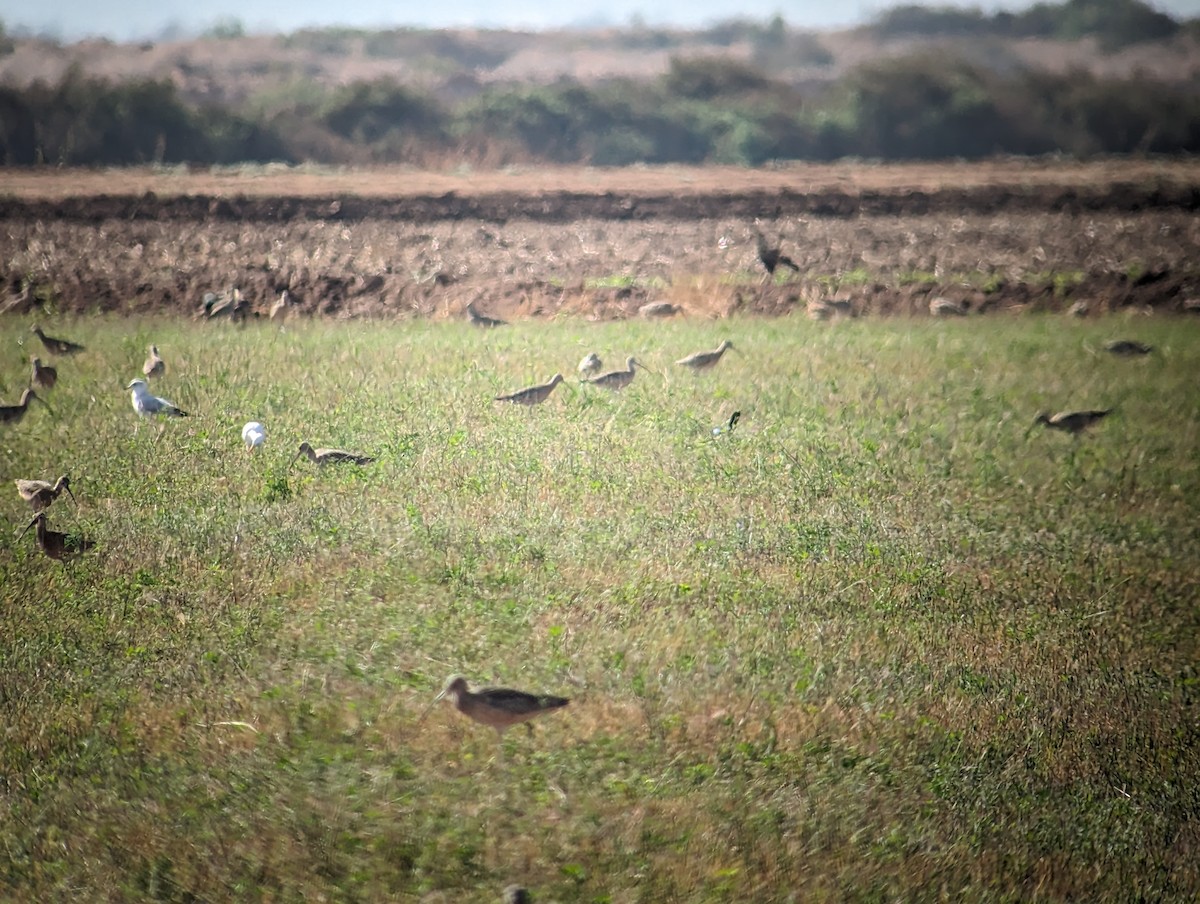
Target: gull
column 499, row 707
column 705, row 360
column 534, row 395
column 331, row 456
column 40, row 493
column 148, row 405
column 154, row 366
column 617, row 380
column 254, row 434
column 55, row 544
column 58, row 346
column 11, row 414
column 44, row 376
column 590, row 364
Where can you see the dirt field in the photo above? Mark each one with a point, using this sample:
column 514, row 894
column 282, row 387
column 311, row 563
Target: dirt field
column 397, row 243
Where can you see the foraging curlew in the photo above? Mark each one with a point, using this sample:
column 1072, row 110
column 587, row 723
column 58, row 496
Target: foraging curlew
column 944, row 307
column 1073, row 422
column 44, row 376
column 40, row 493
column 590, row 364
column 480, row 319
column 1128, row 348
column 154, row 366
column 617, row 380
column 772, row 258
column 499, row 707
column 331, row 456
column 11, row 414
column 705, row 360
column 148, row 405
column 279, row 309
column 58, row 346
column 55, row 544
column 229, row 304
column 534, row 395
column 659, row 309
column 254, row 435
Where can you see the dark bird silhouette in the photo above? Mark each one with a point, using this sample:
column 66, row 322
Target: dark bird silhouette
column 44, row 376
column 1073, row 422
column 499, row 707
column 480, row 319
column 58, row 346
column 11, row 414
column 55, row 544
column 1128, row 348
column 773, row 257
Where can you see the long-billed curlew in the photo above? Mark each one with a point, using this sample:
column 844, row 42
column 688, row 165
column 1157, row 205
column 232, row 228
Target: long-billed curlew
column 772, row 258
column 229, row 304
column 617, row 380
column 40, row 493
column 481, row 319
column 590, row 364
column 1073, row 422
column 280, row 308
column 58, row 346
column 11, row 414
column 331, row 456
column 705, row 360
column 55, row 544
column 1128, row 348
column 154, row 366
column 499, row 707
column 148, row 405
column 44, row 376
column 254, row 435
column 534, row 395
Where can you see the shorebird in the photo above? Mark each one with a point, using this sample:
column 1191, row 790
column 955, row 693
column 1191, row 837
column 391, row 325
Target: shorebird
column 58, row 346
column 10, row 414
column 590, row 364
column 148, row 405
column 279, row 309
column 617, row 380
column 1128, row 348
column 480, row 319
column 40, row 493
column 534, row 395
column 44, row 376
column 659, row 309
column 1080, row 308
column 55, row 544
column 1073, row 422
column 254, row 434
column 944, row 307
column 773, row 257
column 154, row 366
column 331, row 456
column 499, row 707
column 229, row 304
column 705, row 360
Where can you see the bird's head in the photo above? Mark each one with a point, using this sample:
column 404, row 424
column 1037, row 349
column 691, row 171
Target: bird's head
column 455, row 685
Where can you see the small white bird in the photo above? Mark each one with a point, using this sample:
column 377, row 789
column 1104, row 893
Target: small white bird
column 254, row 434
column 148, row 405
column 590, row 364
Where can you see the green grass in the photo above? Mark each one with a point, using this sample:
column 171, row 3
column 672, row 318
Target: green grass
column 875, row 645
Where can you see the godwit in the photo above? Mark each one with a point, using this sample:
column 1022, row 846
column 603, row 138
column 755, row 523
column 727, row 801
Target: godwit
column 10, row 414
column 1128, row 348
column 590, row 364
column 944, row 307
column 705, row 360
column 148, row 405
column 659, row 309
column 331, row 456
column 617, row 380
column 55, row 544
column 534, row 395
column 39, row 493
column 773, row 257
column 279, row 309
column 154, row 366
column 254, row 434
column 1073, row 422
column 58, row 346
column 44, row 376
column 499, row 707
column 480, row 319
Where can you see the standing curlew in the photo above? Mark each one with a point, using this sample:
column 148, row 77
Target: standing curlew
column 705, row 360
column 499, row 707
column 772, row 258
column 254, row 435
column 944, row 307
column 148, row 405
column 11, row 414
column 58, row 346
column 55, row 544
column 44, row 376
column 1073, row 422
column 534, row 395
column 480, row 319
column 1128, row 348
column 617, row 380
column 280, row 308
column 331, row 456
column 590, row 364
column 154, row 366
column 39, row 493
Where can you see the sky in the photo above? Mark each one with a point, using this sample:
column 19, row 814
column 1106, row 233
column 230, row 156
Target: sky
column 122, row 20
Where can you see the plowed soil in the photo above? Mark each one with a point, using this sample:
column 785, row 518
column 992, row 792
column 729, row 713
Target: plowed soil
column 600, row 244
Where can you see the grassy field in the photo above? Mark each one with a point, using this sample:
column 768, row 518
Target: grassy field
column 876, row 644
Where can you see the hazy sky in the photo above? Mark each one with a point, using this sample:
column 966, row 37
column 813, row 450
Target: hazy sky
column 125, row 19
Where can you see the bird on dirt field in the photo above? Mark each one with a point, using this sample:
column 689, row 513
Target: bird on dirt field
column 773, row 257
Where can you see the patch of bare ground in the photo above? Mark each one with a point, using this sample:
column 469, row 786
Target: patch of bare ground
column 1004, row 236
